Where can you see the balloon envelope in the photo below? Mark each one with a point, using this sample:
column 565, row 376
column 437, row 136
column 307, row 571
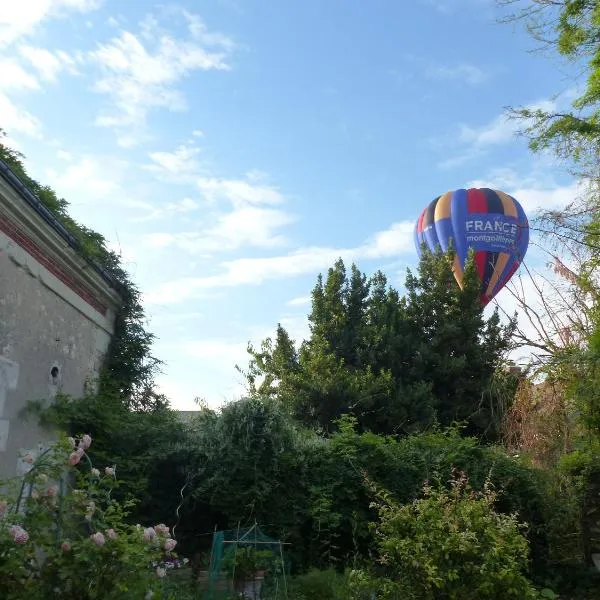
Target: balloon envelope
column 490, row 222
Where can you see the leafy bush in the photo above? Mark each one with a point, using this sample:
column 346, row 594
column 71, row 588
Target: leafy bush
column 57, row 540
column 320, row 585
column 451, row 544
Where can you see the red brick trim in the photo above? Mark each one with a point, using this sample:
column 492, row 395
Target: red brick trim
column 25, row 242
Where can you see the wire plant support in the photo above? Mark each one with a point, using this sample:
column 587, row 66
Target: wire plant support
column 247, row 563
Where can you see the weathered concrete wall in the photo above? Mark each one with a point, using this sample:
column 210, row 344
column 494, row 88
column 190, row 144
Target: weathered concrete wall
column 56, row 322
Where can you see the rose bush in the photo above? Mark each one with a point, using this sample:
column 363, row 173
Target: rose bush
column 63, row 536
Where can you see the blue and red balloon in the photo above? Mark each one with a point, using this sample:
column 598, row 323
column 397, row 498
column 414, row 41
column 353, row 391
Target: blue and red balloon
column 490, row 222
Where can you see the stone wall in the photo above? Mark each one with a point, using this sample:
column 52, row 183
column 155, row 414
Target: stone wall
column 56, row 319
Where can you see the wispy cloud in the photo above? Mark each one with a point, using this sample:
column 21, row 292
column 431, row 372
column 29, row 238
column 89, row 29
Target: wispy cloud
column 142, row 71
column 17, row 120
column 21, row 19
column 451, row 6
column 463, row 72
column 15, row 78
column 47, row 63
column 395, row 240
column 300, row 301
column 477, row 140
column 247, row 212
column 534, row 191
column 181, row 165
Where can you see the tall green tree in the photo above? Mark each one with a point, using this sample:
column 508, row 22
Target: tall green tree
column 398, row 364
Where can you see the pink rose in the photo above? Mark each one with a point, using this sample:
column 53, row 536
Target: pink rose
column 65, row 546
column 161, row 572
column 85, row 442
column 161, row 529
column 98, row 539
column 28, row 459
column 76, row 456
column 170, row 544
column 52, row 491
column 111, row 534
column 18, row 534
column 149, row 534
column 109, row 471
column 3, row 508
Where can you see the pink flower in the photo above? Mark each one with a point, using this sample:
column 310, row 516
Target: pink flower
column 28, row 459
column 85, row 442
column 65, row 546
column 161, row 529
column 52, row 491
column 18, row 534
column 161, row 572
column 111, row 534
column 75, row 457
column 149, row 534
column 95, row 473
column 98, row 539
column 3, row 508
column 109, row 471
column 170, row 544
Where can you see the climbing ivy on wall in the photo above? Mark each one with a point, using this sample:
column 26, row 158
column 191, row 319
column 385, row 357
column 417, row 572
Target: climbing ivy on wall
column 129, row 367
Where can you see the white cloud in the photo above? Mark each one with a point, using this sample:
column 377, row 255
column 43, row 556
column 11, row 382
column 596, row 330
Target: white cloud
column 87, row 173
column 95, row 179
column 240, row 192
column 395, row 240
column 48, row 64
column 300, row 301
column 463, row 72
column 21, row 18
column 179, row 164
column 14, row 77
column 245, row 223
column 17, row 120
column 533, row 192
column 142, row 72
column 198, row 133
column 450, row 6
column 500, row 130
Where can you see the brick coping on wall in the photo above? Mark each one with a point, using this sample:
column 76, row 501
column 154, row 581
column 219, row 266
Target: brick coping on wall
column 25, row 242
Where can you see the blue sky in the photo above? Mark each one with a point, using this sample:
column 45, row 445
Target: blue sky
column 231, row 150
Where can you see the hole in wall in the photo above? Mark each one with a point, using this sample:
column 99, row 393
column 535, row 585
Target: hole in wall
column 54, row 372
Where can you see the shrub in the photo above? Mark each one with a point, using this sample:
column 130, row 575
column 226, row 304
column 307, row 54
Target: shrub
column 71, row 541
column 320, row 585
column 451, row 544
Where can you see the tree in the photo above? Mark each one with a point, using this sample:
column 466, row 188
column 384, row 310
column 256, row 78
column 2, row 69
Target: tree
column 571, row 30
column 396, row 364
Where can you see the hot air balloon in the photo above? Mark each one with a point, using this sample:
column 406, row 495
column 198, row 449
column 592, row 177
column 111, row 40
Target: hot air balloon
column 490, row 222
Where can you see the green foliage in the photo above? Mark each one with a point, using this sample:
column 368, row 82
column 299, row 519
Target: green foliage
column 129, row 367
column 59, row 540
column 252, row 463
column 147, row 448
column 320, row 585
column 451, row 544
column 397, row 364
